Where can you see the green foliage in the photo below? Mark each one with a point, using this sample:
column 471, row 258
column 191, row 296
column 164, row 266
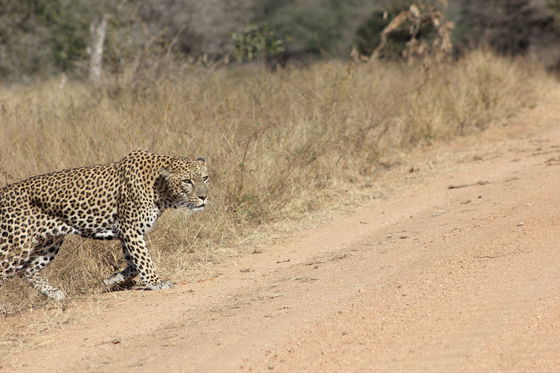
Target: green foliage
column 508, row 26
column 256, row 42
column 316, row 27
column 554, row 7
column 68, row 30
column 41, row 36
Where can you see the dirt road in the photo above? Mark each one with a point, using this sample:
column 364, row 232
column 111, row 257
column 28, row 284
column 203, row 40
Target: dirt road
column 429, row 279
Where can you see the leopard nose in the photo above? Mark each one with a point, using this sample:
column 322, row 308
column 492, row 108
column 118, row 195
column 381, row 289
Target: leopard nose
column 202, row 198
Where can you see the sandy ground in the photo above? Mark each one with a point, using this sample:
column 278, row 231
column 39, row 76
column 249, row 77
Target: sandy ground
column 428, row 279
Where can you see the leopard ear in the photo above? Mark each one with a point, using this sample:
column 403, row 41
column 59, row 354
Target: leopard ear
column 200, row 159
column 164, row 171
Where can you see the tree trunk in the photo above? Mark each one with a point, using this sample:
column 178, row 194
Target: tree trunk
column 98, row 29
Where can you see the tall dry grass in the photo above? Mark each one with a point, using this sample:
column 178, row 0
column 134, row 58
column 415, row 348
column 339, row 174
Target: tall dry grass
column 278, row 144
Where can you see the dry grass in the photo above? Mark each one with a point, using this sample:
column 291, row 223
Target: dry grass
column 279, row 144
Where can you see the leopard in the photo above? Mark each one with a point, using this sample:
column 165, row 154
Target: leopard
column 121, row 200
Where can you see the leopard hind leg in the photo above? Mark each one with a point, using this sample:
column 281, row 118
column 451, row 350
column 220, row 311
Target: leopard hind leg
column 41, row 257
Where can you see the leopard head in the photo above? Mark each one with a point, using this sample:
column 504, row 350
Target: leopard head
column 185, row 184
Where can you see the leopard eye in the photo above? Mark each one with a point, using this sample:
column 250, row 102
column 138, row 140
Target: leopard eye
column 205, row 178
column 188, row 181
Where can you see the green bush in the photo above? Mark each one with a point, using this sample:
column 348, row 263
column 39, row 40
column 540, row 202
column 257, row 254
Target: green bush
column 314, row 27
column 256, row 42
column 42, row 36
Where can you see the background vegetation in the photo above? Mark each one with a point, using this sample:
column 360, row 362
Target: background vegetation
column 42, row 37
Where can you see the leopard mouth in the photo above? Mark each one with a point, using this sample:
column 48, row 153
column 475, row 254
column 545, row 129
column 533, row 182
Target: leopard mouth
column 200, row 207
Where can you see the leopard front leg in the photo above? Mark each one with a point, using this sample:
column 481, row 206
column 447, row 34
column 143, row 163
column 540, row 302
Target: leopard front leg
column 135, row 245
column 126, row 274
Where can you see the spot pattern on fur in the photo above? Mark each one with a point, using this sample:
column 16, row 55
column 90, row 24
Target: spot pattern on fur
column 120, row 200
